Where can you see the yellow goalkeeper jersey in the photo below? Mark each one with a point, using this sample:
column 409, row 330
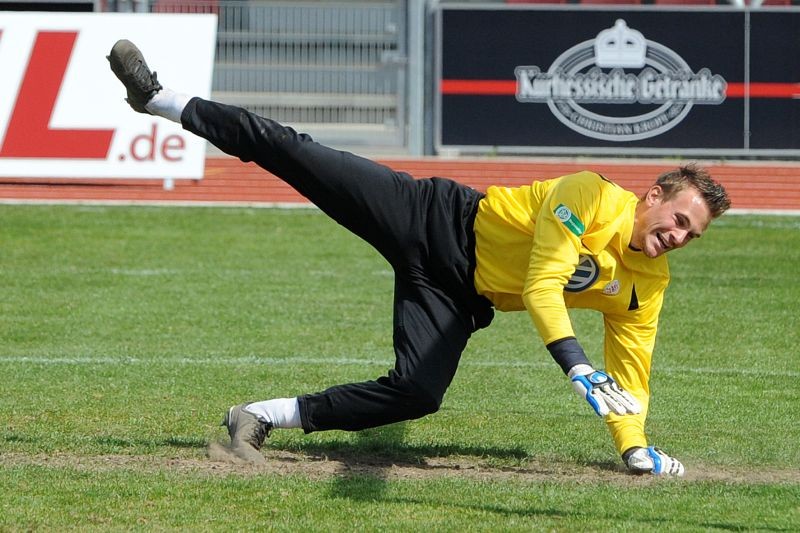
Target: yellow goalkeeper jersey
column 563, row 243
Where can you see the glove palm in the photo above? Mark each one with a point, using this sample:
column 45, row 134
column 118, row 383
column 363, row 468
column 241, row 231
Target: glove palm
column 602, row 392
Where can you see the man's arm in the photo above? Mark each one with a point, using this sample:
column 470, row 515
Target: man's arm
column 629, row 344
column 628, row 351
column 568, row 208
column 567, row 211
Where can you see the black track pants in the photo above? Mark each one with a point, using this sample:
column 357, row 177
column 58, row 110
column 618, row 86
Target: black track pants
column 422, row 227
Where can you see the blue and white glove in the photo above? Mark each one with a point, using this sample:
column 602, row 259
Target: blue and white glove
column 652, row 460
column 602, row 392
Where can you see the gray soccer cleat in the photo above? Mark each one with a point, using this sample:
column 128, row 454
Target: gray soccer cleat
column 247, row 432
column 128, row 64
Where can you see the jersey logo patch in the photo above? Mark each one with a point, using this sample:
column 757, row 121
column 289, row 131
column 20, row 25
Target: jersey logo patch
column 585, row 274
column 568, row 218
column 612, row 288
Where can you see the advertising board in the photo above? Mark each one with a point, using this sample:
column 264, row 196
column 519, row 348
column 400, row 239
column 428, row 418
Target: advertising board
column 62, row 110
column 640, row 80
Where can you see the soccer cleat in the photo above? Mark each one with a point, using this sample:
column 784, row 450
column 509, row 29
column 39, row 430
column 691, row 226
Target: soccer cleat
column 247, row 432
column 128, row 64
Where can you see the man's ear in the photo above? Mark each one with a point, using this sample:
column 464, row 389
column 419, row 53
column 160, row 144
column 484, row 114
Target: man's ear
column 654, row 195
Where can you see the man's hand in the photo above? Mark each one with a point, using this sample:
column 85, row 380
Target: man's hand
column 652, row 460
column 602, row 392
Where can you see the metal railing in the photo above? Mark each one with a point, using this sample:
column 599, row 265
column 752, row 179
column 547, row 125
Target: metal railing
column 333, row 69
column 314, row 64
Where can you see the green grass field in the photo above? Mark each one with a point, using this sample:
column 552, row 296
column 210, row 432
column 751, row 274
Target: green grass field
column 127, row 332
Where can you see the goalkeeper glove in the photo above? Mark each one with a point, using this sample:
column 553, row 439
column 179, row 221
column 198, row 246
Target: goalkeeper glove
column 602, row 392
column 652, row 460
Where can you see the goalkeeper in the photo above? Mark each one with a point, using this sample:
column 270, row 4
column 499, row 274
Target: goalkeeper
column 457, row 255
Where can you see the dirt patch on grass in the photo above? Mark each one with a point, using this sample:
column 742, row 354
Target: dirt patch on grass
column 335, row 464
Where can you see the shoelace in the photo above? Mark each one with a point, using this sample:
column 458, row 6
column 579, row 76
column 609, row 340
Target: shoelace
column 136, row 73
column 260, row 432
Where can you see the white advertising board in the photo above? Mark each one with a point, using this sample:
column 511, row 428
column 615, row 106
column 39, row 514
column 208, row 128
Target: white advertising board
column 62, row 110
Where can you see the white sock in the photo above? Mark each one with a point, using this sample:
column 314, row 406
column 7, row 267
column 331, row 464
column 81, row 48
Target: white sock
column 281, row 412
column 168, row 104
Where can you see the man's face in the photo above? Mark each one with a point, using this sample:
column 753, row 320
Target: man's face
column 661, row 226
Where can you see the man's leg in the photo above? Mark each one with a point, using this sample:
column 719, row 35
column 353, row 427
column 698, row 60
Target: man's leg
column 429, row 337
column 371, row 200
column 430, row 334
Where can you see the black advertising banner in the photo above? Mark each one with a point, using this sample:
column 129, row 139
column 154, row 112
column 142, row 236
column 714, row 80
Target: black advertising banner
column 774, row 119
column 618, row 81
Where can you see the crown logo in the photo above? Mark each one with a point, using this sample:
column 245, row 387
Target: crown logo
column 620, row 47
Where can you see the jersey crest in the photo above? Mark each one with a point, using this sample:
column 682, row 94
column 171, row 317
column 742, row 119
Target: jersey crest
column 611, row 288
column 585, row 274
column 569, row 219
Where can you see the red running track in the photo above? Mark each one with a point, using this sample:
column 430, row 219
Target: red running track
column 761, row 186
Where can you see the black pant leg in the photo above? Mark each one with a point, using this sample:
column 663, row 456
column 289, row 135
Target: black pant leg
column 371, row 200
column 429, row 337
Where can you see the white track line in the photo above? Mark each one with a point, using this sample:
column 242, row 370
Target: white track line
column 343, row 361
column 158, row 203
column 746, row 211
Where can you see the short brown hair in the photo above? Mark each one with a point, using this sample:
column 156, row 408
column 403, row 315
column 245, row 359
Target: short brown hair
column 691, row 175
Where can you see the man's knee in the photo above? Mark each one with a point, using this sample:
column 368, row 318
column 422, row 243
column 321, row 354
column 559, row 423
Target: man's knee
column 417, row 400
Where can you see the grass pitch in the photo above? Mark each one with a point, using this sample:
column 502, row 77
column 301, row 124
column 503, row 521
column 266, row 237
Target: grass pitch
column 126, row 333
